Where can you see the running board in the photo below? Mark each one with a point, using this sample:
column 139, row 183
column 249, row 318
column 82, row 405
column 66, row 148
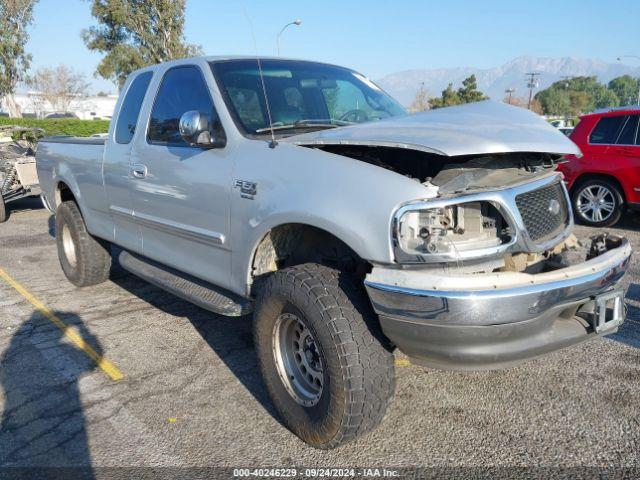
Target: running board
column 191, row 289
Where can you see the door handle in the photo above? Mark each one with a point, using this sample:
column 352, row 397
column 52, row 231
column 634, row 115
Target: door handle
column 139, row 171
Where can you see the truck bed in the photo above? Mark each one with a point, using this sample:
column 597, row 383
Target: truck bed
column 83, row 156
column 75, row 140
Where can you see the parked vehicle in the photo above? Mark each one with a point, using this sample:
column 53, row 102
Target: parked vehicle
column 18, row 176
column 606, row 178
column 61, row 115
column 566, row 130
column 559, row 123
column 303, row 192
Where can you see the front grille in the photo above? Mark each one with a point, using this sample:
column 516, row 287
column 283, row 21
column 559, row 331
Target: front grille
column 542, row 216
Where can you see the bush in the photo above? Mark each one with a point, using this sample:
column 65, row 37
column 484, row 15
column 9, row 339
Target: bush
column 60, row 126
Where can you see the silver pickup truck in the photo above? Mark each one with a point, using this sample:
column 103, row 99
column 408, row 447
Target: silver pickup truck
column 302, row 192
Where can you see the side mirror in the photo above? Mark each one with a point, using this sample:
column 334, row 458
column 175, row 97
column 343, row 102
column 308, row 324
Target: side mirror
column 196, row 130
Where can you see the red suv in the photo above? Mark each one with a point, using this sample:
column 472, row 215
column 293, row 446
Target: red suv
column 606, row 179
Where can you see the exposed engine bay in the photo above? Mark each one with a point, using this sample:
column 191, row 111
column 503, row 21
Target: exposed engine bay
column 452, row 175
column 451, row 232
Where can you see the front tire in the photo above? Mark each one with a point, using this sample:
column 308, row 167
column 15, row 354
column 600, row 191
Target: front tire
column 85, row 259
column 597, row 202
column 322, row 355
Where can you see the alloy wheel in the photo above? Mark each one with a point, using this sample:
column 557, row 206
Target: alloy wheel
column 596, row 203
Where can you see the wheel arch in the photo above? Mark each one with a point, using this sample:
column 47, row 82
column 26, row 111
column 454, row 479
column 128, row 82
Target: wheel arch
column 289, row 244
column 63, row 193
column 597, row 176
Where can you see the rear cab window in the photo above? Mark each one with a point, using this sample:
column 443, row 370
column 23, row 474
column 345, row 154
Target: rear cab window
column 607, row 130
column 130, row 110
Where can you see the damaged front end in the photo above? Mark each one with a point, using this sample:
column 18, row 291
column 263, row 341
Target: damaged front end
column 461, row 321
column 486, row 277
column 477, row 209
column 488, row 273
column 485, row 270
column 532, row 216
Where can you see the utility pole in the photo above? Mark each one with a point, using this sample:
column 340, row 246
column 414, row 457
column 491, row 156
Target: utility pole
column 532, row 83
column 509, row 91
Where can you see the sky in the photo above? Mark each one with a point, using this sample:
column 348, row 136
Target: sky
column 374, row 37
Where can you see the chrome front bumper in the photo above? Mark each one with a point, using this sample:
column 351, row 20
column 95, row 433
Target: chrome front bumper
column 470, row 322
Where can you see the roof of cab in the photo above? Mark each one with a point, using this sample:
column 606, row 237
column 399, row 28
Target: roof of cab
column 225, row 58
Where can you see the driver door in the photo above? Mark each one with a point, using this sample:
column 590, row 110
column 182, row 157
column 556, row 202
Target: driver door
column 181, row 192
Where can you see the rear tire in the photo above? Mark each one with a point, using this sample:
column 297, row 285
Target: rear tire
column 597, row 202
column 337, row 383
column 85, row 259
column 4, row 215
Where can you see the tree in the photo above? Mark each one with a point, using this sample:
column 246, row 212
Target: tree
column 626, row 88
column 467, row 93
column 555, row 101
column 15, row 17
column 137, row 33
column 535, row 106
column 575, row 96
column 579, row 102
column 604, row 98
column 60, row 87
column 449, row 98
column 421, row 100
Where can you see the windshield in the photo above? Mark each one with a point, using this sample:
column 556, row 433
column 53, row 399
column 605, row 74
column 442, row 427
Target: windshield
column 302, row 95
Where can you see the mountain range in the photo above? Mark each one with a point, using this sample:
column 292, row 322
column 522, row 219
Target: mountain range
column 494, row 81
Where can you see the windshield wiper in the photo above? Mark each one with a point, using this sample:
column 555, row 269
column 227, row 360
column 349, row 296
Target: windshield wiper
column 307, row 123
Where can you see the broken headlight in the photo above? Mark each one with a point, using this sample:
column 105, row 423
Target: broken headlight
column 450, row 232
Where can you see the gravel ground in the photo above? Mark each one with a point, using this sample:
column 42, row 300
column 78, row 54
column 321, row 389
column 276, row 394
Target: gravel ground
column 192, row 395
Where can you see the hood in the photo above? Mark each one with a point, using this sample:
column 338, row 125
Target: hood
column 471, row 129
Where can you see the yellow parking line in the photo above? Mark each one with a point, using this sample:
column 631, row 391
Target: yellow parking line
column 105, row 365
column 402, row 362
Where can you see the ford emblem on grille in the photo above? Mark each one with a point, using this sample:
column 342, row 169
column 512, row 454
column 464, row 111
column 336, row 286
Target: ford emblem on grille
column 554, row 206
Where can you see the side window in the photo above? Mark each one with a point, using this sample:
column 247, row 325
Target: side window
column 182, row 89
column 628, row 134
column 128, row 116
column 607, row 129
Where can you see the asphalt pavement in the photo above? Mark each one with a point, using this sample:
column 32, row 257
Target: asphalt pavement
column 190, row 393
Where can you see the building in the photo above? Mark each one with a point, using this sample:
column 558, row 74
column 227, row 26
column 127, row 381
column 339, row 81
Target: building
column 33, row 105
